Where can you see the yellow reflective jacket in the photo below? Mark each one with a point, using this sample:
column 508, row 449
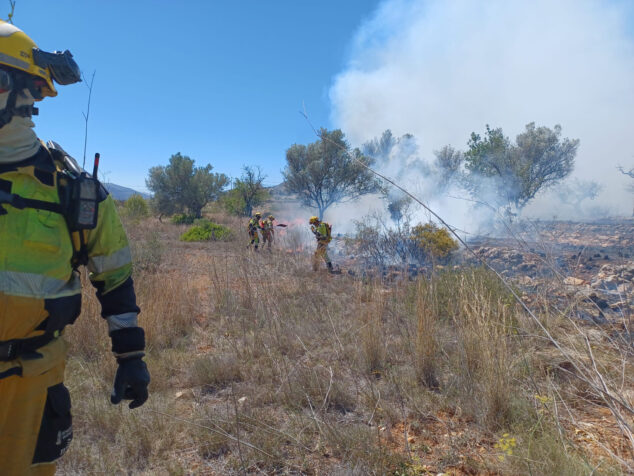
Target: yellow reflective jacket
column 322, row 232
column 253, row 225
column 40, row 291
column 266, row 225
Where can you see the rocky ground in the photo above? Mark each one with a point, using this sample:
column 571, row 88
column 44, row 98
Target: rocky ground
column 592, row 262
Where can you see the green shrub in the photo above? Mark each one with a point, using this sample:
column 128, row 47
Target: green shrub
column 136, row 207
column 183, row 219
column 204, row 230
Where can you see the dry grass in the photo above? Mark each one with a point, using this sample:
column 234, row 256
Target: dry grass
column 260, row 365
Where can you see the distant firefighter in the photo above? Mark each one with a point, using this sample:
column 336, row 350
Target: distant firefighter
column 323, row 233
column 268, row 232
column 252, row 229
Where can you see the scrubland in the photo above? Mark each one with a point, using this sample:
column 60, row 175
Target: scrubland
column 261, row 366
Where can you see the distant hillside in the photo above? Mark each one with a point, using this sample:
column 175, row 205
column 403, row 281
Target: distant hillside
column 279, row 191
column 122, row 193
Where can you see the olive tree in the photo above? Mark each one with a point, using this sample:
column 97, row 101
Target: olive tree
column 327, row 171
column 538, row 159
column 247, row 193
column 180, row 186
column 447, row 164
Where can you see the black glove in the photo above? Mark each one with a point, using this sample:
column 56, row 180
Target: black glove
column 130, row 382
column 132, row 378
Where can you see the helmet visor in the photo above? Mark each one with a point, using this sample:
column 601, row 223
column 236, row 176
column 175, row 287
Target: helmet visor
column 62, row 66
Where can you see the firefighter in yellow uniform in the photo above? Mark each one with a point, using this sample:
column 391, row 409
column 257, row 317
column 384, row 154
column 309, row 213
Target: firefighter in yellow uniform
column 322, row 232
column 252, row 229
column 268, row 231
column 53, row 218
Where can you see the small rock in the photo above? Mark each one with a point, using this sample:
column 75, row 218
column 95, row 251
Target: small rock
column 572, row 281
column 526, row 281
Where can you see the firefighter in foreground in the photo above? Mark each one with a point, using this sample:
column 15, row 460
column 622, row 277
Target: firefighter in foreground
column 323, row 233
column 53, row 218
column 268, row 231
column 252, row 229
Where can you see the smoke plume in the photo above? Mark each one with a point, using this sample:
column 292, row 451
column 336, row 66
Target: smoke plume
column 442, row 69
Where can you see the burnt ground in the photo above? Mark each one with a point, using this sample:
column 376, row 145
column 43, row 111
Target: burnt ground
column 591, row 262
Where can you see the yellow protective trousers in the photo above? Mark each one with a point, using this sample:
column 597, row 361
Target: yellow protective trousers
column 35, row 421
column 267, row 238
column 320, row 253
column 255, row 238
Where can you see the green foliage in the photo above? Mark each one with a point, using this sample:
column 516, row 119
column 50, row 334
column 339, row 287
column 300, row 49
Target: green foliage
column 246, row 194
column 181, row 186
column 233, row 203
column 205, row 230
column 327, row 171
column 436, row 242
column 539, row 159
column 136, row 207
column 448, row 163
column 182, row 219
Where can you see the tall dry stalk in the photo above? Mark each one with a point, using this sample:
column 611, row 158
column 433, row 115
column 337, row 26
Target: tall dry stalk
column 426, row 336
column 373, row 339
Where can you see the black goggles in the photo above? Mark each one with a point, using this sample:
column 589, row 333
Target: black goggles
column 62, row 66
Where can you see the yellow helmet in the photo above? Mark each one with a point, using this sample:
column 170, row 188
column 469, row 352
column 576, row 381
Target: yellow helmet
column 257, row 214
column 271, row 217
column 20, row 52
column 313, row 220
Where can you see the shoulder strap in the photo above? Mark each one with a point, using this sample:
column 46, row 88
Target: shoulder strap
column 19, row 202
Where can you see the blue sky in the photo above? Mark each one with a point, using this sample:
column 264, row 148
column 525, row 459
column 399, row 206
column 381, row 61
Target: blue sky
column 222, row 82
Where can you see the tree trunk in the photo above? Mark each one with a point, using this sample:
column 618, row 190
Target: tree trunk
column 197, row 212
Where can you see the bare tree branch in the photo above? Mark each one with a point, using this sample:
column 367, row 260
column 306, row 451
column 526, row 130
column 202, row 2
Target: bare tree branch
column 10, row 16
column 87, row 113
column 629, row 173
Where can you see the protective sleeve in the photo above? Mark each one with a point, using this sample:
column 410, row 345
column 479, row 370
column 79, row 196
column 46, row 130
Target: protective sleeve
column 110, row 266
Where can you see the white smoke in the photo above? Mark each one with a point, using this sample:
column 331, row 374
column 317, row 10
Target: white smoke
column 441, row 69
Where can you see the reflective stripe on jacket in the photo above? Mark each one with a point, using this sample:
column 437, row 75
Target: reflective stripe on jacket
column 37, row 278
